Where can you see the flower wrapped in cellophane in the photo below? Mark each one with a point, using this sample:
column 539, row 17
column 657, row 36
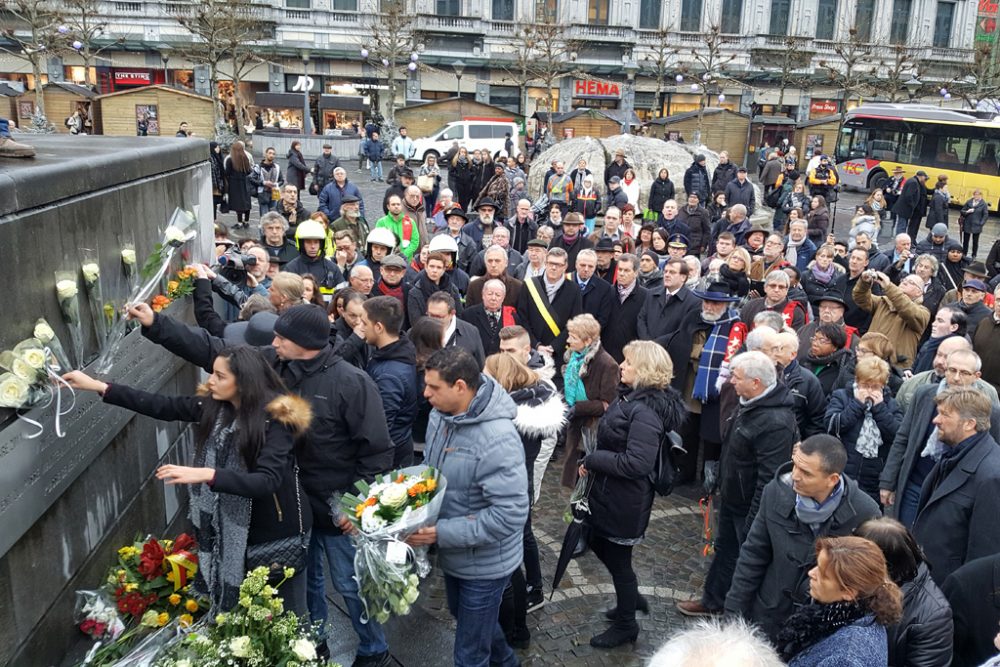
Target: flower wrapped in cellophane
column 68, row 294
column 92, row 282
column 385, row 512
column 45, row 335
column 25, row 382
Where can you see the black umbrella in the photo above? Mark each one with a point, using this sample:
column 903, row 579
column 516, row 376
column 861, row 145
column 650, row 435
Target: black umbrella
column 574, row 533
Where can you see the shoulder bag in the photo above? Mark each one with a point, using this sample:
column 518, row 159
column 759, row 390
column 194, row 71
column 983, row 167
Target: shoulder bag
column 291, row 551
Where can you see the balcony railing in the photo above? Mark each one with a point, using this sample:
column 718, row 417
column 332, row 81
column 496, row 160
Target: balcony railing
column 449, row 23
column 602, row 32
column 501, row 27
column 298, row 14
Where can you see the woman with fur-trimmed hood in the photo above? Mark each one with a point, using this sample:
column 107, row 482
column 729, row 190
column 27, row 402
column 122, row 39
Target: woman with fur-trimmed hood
column 246, row 503
column 540, row 415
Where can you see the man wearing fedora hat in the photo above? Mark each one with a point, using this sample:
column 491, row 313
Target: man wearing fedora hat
column 456, row 219
column 607, row 266
column 572, row 239
column 700, row 348
column 893, row 186
column 480, row 227
column 616, row 167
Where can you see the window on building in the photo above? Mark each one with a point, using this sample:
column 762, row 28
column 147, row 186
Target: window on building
column 503, row 10
column 864, row 16
column 943, row 22
column 779, row 17
column 546, row 11
column 900, row 27
column 345, row 5
column 826, row 19
column 732, row 16
column 691, row 15
column 598, row 12
column 649, row 14
column 298, row 4
column 506, row 97
column 449, row 7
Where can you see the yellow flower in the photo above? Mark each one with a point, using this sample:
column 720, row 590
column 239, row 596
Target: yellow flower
column 191, row 605
column 131, row 587
column 121, row 575
column 186, row 620
column 126, row 552
column 163, row 619
column 431, row 484
column 174, row 599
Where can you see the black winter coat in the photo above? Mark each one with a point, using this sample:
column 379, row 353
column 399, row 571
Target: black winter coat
column 759, row 439
column 540, row 414
column 973, row 222
column 772, row 574
column 270, row 482
column 816, row 290
column 833, row 371
column 925, row 634
column 696, row 180
column 348, row 439
column 622, row 329
column 394, row 370
column 912, row 202
column 628, row 442
column 660, row 191
column 423, row 288
column 721, row 176
column 741, row 194
column 297, row 169
column 325, row 271
column 565, row 305
column 938, row 209
column 844, row 417
column 810, row 402
column 238, row 188
column 973, row 591
column 597, row 298
column 700, row 229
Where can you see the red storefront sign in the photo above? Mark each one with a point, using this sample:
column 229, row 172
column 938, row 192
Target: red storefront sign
column 596, row 89
column 132, row 78
column 819, row 108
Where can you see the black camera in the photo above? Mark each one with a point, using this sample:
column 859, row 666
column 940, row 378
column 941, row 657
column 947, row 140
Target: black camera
column 235, row 261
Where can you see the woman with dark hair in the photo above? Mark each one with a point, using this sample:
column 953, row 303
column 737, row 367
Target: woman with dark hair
column 824, row 277
column 661, row 246
column 660, row 191
column 246, row 502
column 219, row 177
column 717, row 207
column 828, row 359
column 425, row 334
column 818, row 219
column 310, row 290
column 629, row 437
column 924, row 636
column 853, row 602
column 236, row 168
column 297, row 169
column 645, row 239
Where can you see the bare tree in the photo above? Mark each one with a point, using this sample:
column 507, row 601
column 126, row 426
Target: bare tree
column 900, row 64
column 520, row 69
column 87, row 28
column 228, row 31
column 710, row 58
column 855, row 69
column 795, row 57
column 34, row 31
column 980, row 79
column 554, row 55
column 390, row 38
column 661, row 59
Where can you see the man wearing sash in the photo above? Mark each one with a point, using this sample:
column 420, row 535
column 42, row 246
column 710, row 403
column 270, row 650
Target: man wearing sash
column 547, row 303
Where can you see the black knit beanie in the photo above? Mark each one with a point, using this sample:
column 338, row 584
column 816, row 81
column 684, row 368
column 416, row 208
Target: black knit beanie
column 306, row 325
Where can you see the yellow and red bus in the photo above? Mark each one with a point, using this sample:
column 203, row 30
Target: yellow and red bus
column 962, row 143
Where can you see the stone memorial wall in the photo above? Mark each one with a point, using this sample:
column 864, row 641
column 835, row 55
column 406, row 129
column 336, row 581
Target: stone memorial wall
column 67, row 503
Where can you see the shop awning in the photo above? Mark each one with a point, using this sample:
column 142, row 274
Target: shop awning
column 342, row 102
column 279, row 100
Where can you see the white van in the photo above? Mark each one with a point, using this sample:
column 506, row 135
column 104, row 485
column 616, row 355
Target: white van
column 473, row 134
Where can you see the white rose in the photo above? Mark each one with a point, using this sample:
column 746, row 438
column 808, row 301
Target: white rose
column 394, row 496
column 34, row 357
column 44, row 332
column 13, row 391
column 128, row 256
column 183, row 663
column 66, row 289
column 304, row 649
column 21, row 369
column 173, row 235
column 91, row 272
column 240, row 646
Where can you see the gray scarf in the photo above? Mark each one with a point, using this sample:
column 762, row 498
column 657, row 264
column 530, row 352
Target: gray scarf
column 870, row 438
column 934, row 447
column 815, row 514
column 221, row 522
column 552, row 288
column 792, row 250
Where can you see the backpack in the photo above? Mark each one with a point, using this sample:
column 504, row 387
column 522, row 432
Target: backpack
column 662, row 476
column 774, row 197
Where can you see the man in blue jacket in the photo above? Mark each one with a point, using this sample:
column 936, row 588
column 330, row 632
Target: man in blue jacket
column 393, row 366
column 333, row 193
column 471, row 439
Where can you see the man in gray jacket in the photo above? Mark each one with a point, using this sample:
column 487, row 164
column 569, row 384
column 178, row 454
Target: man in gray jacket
column 809, row 497
column 471, row 439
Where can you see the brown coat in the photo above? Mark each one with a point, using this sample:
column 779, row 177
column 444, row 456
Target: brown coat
column 600, row 374
column 474, row 296
column 897, row 316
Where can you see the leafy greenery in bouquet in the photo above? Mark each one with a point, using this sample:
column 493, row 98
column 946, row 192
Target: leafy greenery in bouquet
column 259, row 631
column 384, row 512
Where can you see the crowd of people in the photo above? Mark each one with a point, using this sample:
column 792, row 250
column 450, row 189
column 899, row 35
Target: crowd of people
column 840, row 399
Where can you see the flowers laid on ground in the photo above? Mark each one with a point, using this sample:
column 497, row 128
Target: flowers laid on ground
column 385, row 512
column 259, row 631
column 147, row 588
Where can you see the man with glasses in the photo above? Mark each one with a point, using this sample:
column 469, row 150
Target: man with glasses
column 916, row 448
column 772, row 258
column 547, row 303
column 829, row 310
column 899, row 314
column 290, row 207
column 775, row 298
column 936, row 375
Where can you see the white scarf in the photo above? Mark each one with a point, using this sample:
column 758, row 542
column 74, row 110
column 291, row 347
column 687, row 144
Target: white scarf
column 792, row 253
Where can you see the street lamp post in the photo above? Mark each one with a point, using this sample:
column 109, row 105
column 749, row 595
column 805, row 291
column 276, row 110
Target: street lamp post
column 459, row 67
column 306, row 129
column 631, row 69
column 165, row 57
column 912, row 86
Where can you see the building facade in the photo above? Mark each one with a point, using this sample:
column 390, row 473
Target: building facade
column 651, row 54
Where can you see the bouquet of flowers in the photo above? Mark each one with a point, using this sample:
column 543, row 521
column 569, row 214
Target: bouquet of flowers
column 24, row 385
column 92, row 281
column 385, row 512
column 45, row 335
column 257, row 632
column 67, row 292
column 97, row 617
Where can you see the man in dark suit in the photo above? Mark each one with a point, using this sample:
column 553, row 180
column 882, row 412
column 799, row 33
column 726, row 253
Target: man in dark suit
column 973, row 591
column 958, row 515
column 666, row 307
column 597, row 295
column 626, row 302
column 547, row 303
column 441, row 307
column 911, row 205
column 912, row 457
column 490, row 316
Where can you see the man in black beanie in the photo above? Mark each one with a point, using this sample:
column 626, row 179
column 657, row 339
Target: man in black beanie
column 348, row 440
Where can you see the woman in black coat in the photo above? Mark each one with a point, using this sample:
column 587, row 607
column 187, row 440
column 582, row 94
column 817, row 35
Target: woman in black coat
column 971, row 221
column 824, row 277
column 218, row 177
column 865, row 417
column 237, row 168
column 829, row 360
column 924, row 636
column 461, row 165
column 246, row 501
column 296, row 171
column 818, row 219
column 660, row 191
column 629, row 437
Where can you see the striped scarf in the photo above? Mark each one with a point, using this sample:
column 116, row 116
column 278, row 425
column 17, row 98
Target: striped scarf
column 712, row 356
